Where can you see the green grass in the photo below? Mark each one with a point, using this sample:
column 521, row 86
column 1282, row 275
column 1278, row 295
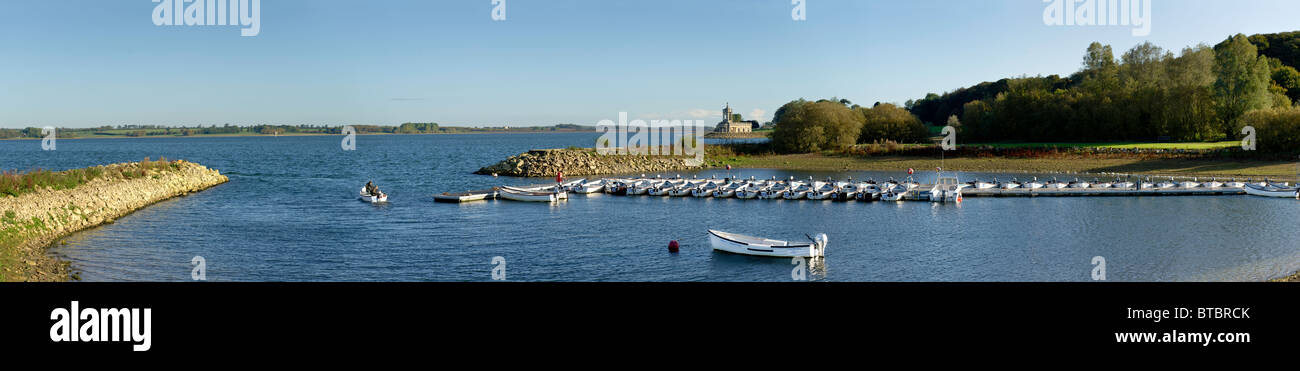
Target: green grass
column 15, row 184
column 1120, row 145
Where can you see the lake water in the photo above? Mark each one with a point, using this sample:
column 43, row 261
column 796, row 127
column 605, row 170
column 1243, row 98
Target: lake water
column 289, row 213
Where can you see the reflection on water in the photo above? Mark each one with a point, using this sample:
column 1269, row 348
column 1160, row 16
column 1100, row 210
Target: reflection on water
column 290, row 213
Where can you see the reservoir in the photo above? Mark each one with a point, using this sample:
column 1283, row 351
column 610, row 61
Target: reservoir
column 289, row 213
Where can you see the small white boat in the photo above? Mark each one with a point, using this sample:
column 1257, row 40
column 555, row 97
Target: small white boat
column 705, row 190
column 374, row 199
column 1213, row 183
column 462, row 196
column 1013, row 184
column 589, row 187
column 1056, row 184
column 946, row 189
column 1034, row 184
column 1080, row 184
column 1272, row 191
column 757, row 246
column 1100, row 184
column 752, row 190
column 894, row 194
column 1190, row 184
column 822, row 191
column 640, row 188
column 683, row 190
column 516, row 194
column 1234, row 183
column 1122, row 184
column 797, row 191
column 980, row 184
column 727, row 190
column 774, row 192
column 1167, row 184
column 663, row 188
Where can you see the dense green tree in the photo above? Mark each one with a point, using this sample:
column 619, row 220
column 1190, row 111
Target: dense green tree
column 1243, row 81
column 802, row 126
column 889, row 122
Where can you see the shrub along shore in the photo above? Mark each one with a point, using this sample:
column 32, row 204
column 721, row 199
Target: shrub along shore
column 39, row 207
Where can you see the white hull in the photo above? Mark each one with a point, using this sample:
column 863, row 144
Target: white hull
column 1271, row 191
column 746, row 245
column 516, row 195
column 366, row 197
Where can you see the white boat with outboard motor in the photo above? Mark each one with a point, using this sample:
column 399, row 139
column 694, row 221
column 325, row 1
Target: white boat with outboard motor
column 1272, row 190
column 374, row 199
column 758, row 246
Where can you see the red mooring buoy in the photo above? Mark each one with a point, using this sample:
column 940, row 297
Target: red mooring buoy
column 672, row 246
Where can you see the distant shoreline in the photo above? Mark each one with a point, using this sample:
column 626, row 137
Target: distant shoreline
column 302, row 135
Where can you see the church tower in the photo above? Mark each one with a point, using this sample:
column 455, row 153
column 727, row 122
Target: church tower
column 726, row 113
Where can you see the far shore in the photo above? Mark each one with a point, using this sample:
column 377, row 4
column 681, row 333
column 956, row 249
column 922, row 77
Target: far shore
column 298, row 135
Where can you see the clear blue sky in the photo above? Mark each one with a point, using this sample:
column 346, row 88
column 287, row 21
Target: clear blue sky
column 79, row 63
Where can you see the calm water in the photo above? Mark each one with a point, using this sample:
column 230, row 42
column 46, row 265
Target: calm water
column 290, row 213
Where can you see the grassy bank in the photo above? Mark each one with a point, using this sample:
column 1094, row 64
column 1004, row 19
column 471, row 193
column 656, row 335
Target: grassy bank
column 13, row 183
column 39, row 207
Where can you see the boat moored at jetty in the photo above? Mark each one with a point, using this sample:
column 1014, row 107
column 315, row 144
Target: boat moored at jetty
column 1272, row 191
column 516, row 194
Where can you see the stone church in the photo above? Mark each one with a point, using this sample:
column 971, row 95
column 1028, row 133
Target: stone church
column 729, row 125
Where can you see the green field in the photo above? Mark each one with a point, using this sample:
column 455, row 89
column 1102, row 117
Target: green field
column 1137, row 145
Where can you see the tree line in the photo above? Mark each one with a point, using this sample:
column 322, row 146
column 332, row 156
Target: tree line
column 836, row 124
column 1201, row 94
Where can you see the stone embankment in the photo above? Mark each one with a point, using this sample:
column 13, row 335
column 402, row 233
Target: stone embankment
column 581, row 162
column 31, row 222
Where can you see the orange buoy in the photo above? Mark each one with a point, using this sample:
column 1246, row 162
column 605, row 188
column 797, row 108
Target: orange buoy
column 672, row 246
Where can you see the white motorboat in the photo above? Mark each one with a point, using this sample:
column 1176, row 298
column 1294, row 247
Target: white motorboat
column 1167, row 184
column 683, row 190
column 1056, row 184
column 727, row 190
column 757, row 246
column 797, row 191
column 1100, row 184
column 705, row 190
column 1034, row 184
column 752, row 190
column 822, row 191
column 589, row 187
column 374, row 199
column 894, row 194
column 946, row 189
column 663, row 188
column 1189, row 184
column 775, row 191
column 980, row 184
column 516, row 194
column 640, row 187
column 1122, row 184
column 1272, row 191
column 1013, row 184
column 1213, row 183
column 1234, row 183
column 1080, row 184
column 462, row 196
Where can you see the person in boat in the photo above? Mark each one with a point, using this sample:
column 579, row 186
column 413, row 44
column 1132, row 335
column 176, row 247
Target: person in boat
column 371, row 189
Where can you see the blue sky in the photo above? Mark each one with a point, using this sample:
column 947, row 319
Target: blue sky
column 78, row 63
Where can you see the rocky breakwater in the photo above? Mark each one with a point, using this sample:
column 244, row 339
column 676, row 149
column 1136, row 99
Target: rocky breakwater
column 32, row 221
column 574, row 162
